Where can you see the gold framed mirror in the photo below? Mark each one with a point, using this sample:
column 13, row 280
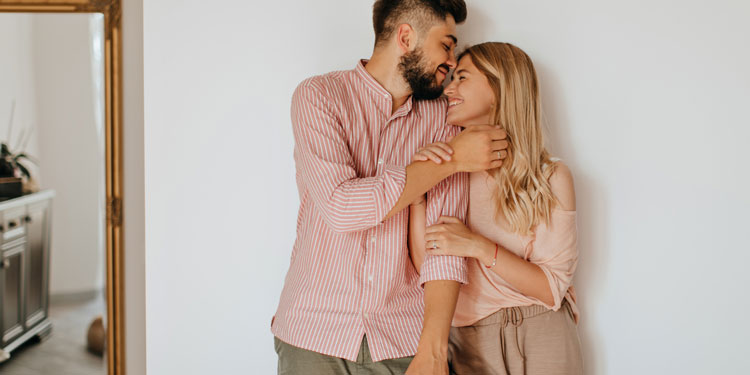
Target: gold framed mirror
column 111, row 11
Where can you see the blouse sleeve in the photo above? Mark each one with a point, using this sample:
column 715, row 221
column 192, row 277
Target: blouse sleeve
column 555, row 251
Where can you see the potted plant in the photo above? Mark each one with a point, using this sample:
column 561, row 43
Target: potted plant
column 12, row 172
column 15, row 179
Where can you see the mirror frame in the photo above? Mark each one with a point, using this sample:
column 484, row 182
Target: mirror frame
column 111, row 9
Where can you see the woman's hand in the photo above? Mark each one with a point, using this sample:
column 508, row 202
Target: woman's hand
column 450, row 236
column 437, row 152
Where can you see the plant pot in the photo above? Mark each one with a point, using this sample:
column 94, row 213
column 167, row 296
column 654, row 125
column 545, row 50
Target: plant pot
column 11, row 187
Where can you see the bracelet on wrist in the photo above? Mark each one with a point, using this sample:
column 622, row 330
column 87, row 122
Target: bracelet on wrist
column 494, row 260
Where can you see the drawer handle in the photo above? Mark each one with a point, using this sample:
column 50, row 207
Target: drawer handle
column 27, row 219
column 12, row 224
column 5, row 263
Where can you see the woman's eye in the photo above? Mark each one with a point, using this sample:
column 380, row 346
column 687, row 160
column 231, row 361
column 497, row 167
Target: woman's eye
column 461, row 78
column 446, row 47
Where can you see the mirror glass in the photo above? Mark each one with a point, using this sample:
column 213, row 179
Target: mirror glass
column 52, row 194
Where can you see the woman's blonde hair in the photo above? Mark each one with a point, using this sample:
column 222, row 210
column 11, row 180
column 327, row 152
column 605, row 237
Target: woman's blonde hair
column 524, row 196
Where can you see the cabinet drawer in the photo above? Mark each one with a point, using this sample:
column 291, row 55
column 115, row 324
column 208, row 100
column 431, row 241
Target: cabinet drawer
column 13, row 224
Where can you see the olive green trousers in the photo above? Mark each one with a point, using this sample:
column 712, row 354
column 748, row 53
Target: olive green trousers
column 294, row 360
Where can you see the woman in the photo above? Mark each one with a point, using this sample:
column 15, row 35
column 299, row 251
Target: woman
column 517, row 313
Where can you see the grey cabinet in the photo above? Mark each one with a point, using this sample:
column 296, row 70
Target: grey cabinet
column 12, row 287
column 37, row 254
column 24, row 269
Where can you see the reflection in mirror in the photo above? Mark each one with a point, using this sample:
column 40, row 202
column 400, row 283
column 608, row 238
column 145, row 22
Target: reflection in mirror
column 52, row 194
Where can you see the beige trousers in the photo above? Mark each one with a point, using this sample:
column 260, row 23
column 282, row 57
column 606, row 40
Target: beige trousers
column 529, row 340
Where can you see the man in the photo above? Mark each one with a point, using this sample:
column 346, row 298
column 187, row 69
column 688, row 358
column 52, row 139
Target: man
column 352, row 301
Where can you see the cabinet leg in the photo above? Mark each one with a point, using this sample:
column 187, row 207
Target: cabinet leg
column 43, row 334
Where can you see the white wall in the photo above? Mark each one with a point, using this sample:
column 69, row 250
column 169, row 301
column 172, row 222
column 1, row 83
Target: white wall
column 133, row 192
column 220, row 194
column 68, row 70
column 17, row 83
column 643, row 99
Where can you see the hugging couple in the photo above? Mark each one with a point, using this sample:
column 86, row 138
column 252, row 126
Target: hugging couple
column 435, row 233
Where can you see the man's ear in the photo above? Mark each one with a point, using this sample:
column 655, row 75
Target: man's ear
column 406, row 38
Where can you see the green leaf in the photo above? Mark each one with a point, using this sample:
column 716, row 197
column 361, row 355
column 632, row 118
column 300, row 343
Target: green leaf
column 24, row 156
column 24, row 171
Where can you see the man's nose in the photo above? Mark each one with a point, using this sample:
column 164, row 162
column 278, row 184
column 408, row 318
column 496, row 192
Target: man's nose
column 451, row 59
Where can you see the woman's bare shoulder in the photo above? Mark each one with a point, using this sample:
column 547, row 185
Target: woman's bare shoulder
column 561, row 183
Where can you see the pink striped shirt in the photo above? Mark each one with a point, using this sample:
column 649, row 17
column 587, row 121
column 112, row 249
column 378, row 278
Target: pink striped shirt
column 350, row 273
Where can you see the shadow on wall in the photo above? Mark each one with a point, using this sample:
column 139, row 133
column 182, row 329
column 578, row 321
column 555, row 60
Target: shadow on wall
column 592, row 213
column 477, row 29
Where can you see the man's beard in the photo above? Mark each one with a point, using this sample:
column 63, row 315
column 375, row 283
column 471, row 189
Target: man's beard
column 414, row 69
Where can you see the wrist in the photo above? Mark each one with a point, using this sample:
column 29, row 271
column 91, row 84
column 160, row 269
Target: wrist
column 485, row 251
column 453, row 166
column 436, row 347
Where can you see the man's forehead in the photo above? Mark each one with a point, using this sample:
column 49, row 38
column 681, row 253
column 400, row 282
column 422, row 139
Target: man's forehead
column 445, row 29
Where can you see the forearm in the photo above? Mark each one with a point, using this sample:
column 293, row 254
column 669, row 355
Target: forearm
column 523, row 275
column 421, row 176
column 348, row 203
column 417, row 224
column 440, row 303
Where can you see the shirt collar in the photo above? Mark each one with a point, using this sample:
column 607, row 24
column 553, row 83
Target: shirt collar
column 374, row 86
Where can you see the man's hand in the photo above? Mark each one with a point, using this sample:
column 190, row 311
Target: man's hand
column 428, row 362
column 479, row 148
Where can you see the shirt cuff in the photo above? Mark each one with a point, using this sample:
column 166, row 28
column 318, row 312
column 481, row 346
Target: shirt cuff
column 443, row 267
column 389, row 191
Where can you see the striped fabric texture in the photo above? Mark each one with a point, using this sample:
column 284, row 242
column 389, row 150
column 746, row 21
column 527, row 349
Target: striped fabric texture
column 350, row 273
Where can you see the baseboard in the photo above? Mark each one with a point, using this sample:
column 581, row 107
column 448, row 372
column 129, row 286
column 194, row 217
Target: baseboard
column 61, row 298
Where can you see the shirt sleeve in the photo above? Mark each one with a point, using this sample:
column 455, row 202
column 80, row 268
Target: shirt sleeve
column 448, row 198
column 325, row 165
column 555, row 251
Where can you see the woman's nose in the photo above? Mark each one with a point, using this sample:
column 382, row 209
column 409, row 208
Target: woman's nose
column 450, row 89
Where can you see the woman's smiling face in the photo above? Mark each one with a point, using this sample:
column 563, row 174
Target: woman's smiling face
column 471, row 100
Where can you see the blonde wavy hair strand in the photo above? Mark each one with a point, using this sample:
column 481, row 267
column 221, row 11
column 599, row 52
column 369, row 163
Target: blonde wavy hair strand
column 523, row 195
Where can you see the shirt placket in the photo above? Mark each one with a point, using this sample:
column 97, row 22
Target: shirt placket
column 372, row 242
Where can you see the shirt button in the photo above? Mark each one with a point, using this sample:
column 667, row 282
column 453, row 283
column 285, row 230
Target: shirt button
column 380, row 161
column 366, row 316
column 372, row 239
column 369, row 278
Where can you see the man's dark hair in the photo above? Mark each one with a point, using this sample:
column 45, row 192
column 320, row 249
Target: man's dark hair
column 388, row 14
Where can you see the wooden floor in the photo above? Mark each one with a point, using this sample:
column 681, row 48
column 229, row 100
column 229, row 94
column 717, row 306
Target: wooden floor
column 63, row 352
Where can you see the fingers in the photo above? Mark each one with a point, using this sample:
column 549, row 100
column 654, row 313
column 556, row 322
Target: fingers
column 441, row 152
column 444, row 146
column 432, row 239
column 434, row 229
column 498, row 134
column 496, row 164
column 449, row 220
column 499, row 145
column 429, row 154
column 502, row 155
